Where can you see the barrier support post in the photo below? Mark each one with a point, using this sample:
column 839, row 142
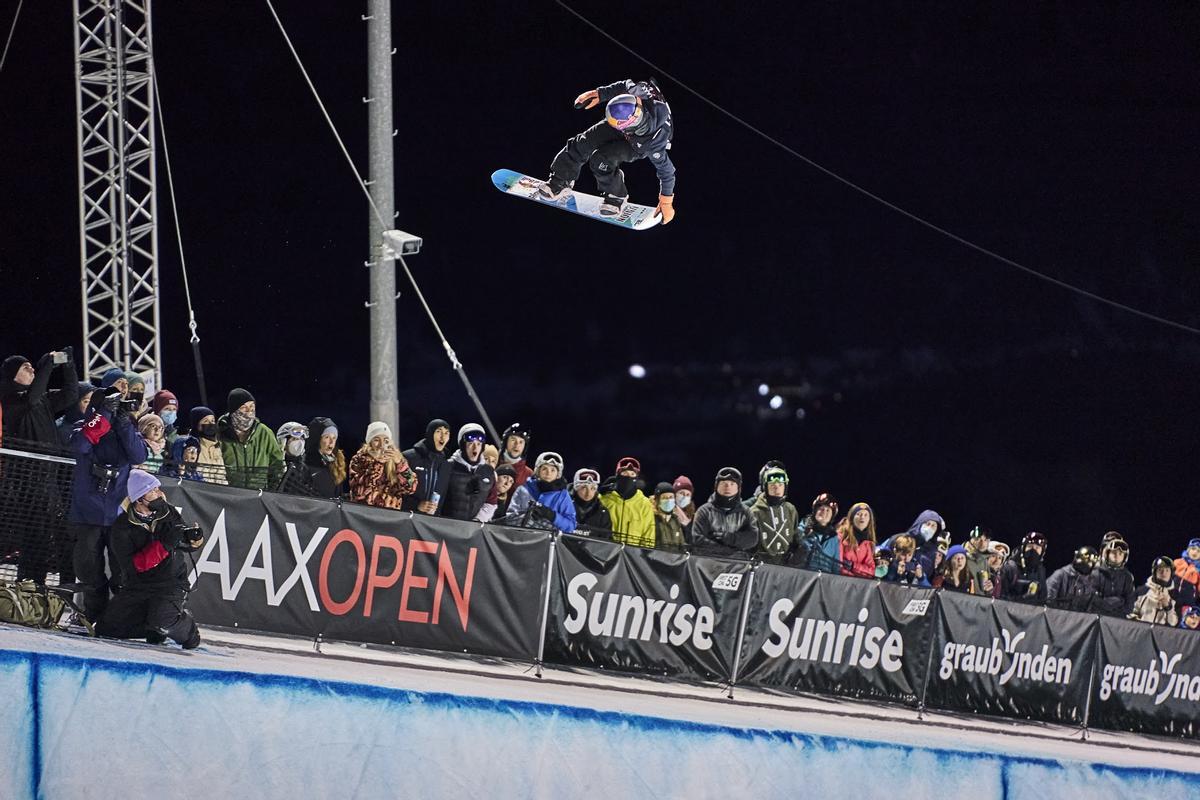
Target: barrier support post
column 546, row 604
column 741, row 634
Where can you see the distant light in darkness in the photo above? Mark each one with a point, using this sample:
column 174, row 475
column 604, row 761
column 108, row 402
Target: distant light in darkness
column 637, row 371
column 777, row 402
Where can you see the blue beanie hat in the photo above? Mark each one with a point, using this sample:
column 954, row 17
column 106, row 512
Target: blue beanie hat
column 140, row 482
column 955, row 550
column 112, row 376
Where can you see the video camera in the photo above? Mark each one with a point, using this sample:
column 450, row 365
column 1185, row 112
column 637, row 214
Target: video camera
column 115, row 403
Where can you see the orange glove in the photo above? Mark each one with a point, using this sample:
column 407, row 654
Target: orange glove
column 589, row 99
column 665, row 209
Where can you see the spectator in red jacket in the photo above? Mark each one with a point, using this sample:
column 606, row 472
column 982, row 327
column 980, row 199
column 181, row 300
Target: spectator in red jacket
column 856, row 533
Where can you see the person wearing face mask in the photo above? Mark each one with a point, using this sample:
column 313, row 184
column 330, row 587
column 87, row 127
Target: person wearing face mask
column 149, row 541
column 668, row 530
column 926, row 529
column 631, row 512
column 685, row 507
column 591, row 517
column 471, row 478
column 166, row 406
column 106, row 445
column 775, row 518
column 543, row 501
column 1023, row 576
column 253, row 458
column 723, row 526
column 379, row 474
column 1075, row 587
column 429, row 459
column 325, row 461
column 515, row 444
column 297, row 477
column 819, row 548
column 136, row 393
column 211, row 463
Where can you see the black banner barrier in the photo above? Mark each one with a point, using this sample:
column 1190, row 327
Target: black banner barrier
column 644, row 610
column 996, row 657
column 829, row 634
column 302, row 566
column 1148, row 679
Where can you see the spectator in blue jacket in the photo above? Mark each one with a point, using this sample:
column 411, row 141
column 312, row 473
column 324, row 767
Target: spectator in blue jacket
column 543, row 502
column 185, row 459
column 106, row 445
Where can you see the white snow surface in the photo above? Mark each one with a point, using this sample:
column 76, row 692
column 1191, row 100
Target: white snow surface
column 220, row 722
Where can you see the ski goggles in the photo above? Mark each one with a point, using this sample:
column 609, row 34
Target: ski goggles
column 475, row 436
column 553, row 459
column 587, row 476
column 775, row 477
column 296, row 433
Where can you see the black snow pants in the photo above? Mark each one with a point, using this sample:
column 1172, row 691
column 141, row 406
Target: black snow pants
column 139, row 612
column 90, row 543
column 604, row 149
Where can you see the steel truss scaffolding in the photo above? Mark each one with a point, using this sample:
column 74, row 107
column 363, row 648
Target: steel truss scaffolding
column 114, row 72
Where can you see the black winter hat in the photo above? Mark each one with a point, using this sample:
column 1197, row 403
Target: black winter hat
column 433, row 425
column 506, row 469
column 11, row 366
column 237, row 398
column 729, row 474
column 664, row 488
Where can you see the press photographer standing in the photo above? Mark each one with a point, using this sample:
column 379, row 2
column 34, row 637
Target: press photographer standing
column 106, row 444
column 148, row 541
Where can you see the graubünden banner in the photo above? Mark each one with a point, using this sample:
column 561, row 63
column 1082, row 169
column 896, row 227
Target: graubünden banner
column 828, row 634
column 302, row 566
column 1010, row 659
column 1148, row 679
column 644, row 610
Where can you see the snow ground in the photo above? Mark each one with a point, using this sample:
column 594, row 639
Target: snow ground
column 826, row 739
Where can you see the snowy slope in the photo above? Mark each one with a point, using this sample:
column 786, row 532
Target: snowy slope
column 267, row 716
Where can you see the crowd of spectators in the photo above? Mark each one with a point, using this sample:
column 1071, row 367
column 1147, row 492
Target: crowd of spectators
column 111, row 428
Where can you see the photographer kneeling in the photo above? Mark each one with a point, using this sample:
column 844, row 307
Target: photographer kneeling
column 148, row 542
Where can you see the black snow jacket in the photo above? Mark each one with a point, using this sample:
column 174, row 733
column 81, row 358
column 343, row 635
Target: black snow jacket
column 150, row 555
column 1070, row 589
column 1116, row 591
column 324, row 481
column 30, row 411
column 467, row 488
column 592, row 519
column 652, row 138
column 433, row 473
column 723, row 529
column 1017, row 577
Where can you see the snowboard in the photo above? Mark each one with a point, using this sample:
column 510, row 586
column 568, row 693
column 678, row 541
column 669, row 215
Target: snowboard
column 632, row 216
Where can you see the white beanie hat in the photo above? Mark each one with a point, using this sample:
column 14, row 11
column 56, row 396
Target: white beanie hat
column 378, row 429
column 470, row 427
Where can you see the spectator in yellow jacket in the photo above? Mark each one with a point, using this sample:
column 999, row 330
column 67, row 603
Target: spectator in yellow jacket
column 631, row 511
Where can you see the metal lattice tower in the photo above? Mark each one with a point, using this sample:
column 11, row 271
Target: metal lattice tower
column 118, row 214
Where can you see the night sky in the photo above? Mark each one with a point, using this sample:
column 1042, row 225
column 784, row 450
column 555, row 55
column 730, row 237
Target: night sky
column 915, row 372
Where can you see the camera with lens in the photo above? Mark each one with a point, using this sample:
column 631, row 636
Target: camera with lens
column 192, row 535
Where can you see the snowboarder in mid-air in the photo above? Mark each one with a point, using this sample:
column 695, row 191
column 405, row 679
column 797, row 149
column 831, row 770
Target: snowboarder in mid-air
column 637, row 124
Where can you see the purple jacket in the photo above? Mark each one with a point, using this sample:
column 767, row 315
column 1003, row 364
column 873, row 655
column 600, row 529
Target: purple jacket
column 120, row 448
